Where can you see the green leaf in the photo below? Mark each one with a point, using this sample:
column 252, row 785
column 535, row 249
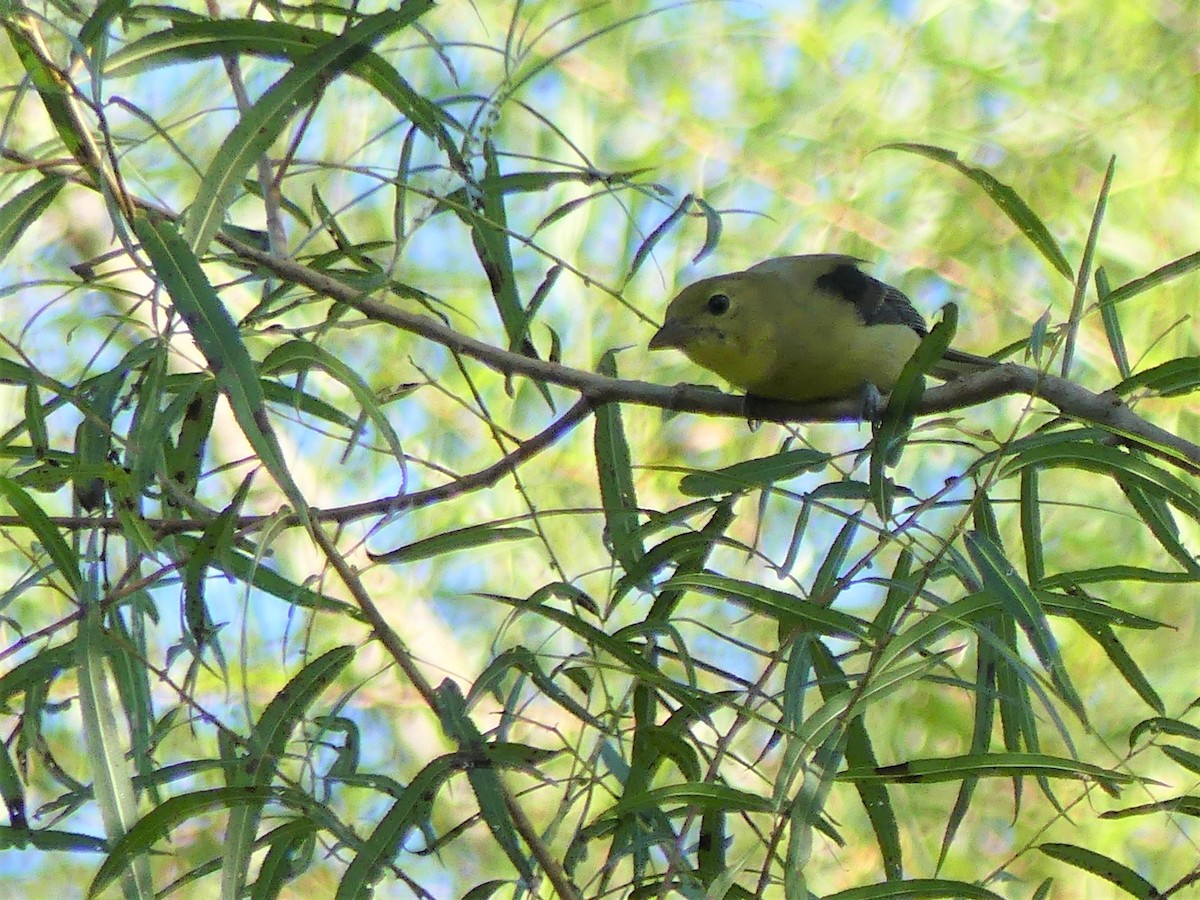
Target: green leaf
column 860, row 754
column 39, row 523
column 1008, row 200
column 219, row 340
column 412, row 806
column 53, row 87
column 1163, row 725
column 26, row 208
column 485, row 780
column 488, row 220
column 266, row 118
column 1112, row 324
column 790, row 611
column 1001, row 579
column 691, row 795
column 752, row 473
column 916, row 888
column 1161, row 275
column 823, row 591
column 1075, row 317
column 300, row 356
column 890, row 431
column 1186, row 805
column 451, row 542
column 218, row 39
column 1106, row 867
column 987, row 765
column 158, row 822
column 111, row 771
column 712, row 234
column 1123, row 467
column 614, row 466
column 268, row 740
column 1176, row 378
column 662, row 230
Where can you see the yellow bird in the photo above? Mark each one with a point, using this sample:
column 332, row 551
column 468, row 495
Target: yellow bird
column 802, row 328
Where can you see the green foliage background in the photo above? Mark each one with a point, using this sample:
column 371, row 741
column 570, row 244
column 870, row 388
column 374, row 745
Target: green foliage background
column 596, row 732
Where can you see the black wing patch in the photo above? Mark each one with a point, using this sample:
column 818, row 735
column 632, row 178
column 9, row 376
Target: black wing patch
column 877, row 303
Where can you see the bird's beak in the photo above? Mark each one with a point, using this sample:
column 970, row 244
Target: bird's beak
column 672, row 334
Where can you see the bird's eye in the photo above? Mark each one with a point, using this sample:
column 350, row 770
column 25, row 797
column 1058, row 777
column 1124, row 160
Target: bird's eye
column 718, row 304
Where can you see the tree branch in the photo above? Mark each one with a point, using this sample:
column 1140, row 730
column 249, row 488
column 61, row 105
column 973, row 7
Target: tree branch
column 1105, row 410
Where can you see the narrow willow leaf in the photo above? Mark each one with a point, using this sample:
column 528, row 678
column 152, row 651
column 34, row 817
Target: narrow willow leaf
column 218, row 535
column 300, row 356
column 93, row 437
column 144, row 454
column 988, row 765
column 692, row 560
column 705, row 795
column 1186, row 805
column 860, row 754
column 52, row 840
column 1001, row 579
column 185, row 460
column 488, row 220
column 1153, row 510
column 890, row 432
column 712, row 234
column 522, row 660
column 832, row 714
column 1008, row 200
column 631, row 656
column 290, row 851
column 752, row 473
column 532, row 182
column 1106, row 867
column 39, row 523
column 268, row 740
column 1172, row 270
column 226, row 37
column 614, row 466
column 35, row 422
column 983, row 721
column 1112, row 323
column 157, row 824
column 266, row 118
column 26, row 208
column 1106, row 574
column 1124, row 663
column 412, row 807
column 111, row 774
column 826, row 579
column 1163, row 725
column 1031, row 526
column 647, row 246
column 256, row 573
column 790, row 611
column 219, row 340
column 916, row 887
column 53, row 88
column 1185, row 758
column 12, row 792
column 1085, row 267
column 468, row 538
column 484, row 779
column 1176, row 378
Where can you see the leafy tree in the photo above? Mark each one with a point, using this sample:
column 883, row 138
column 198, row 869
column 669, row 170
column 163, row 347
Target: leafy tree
column 353, row 541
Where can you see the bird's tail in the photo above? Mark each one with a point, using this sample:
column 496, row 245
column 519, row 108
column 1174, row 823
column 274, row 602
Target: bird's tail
column 957, row 363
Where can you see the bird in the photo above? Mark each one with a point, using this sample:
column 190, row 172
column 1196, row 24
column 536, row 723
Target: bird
column 803, row 328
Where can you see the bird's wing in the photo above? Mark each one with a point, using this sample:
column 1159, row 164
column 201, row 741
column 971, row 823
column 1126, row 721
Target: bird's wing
column 877, row 303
